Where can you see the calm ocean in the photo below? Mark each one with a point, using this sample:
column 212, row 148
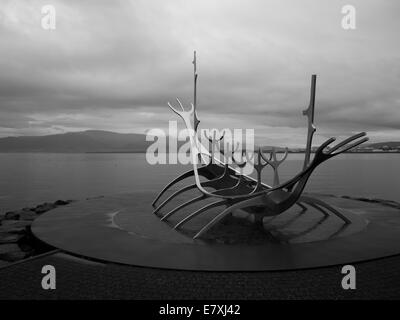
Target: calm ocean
column 27, row 179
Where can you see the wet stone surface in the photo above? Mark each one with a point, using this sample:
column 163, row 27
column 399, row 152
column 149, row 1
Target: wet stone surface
column 123, row 229
column 16, row 239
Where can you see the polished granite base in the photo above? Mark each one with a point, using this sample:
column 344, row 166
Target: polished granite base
column 123, row 229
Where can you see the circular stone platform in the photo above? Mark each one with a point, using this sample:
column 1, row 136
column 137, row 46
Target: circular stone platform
column 123, row 229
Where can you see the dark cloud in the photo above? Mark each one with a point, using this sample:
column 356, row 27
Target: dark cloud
column 113, row 65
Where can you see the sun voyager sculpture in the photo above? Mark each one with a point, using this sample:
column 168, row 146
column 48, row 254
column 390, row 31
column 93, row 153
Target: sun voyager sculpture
column 232, row 190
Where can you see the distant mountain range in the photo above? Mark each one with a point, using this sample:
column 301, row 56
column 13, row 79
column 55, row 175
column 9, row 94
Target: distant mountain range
column 98, row 141
column 85, row 141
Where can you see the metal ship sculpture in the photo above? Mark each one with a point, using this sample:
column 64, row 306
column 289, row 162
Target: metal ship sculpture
column 232, row 190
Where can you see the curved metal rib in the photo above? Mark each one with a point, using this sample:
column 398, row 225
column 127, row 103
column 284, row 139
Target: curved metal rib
column 313, row 227
column 208, row 171
column 228, row 210
column 185, row 204
column 176, row 193
column 351, row 146
column 225, row 180
column 303, row 207
column 287, row 223
column 323, row 204
column 315, row 206
column 237, row 189
column 202, row 209
column 346, row 141
column 183, row 176
column 242, row 187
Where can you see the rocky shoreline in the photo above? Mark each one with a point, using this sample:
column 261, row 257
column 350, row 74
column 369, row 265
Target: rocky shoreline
column 16, row 239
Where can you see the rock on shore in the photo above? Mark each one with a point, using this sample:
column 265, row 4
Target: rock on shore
column 16, row 239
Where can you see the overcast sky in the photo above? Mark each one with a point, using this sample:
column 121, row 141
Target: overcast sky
column 114, row 65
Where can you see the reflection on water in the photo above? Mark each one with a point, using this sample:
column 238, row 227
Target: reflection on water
column 28, row 179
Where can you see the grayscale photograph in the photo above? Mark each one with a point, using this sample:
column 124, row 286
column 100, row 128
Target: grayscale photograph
column 199, row 154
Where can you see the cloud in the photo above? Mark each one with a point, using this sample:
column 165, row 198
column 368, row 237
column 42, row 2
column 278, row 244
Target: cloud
column 113, row 65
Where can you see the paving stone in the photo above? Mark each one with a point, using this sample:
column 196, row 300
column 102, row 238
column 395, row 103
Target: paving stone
column 378, row 279
column 3, row 263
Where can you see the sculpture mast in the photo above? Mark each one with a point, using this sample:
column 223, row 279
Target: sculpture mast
column 196, row 121
column 309, row 112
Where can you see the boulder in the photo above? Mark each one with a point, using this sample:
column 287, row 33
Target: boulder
column 6, row 237
column 42, row 208
column 24, row 214
column 9, row 225
column 25, row 247
column 11, row 215
column 12, row 230
column 16, row 241
column 61, row 203
column 27, row 215
column 5, row 248
column 13, row 256
column 11, row 253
